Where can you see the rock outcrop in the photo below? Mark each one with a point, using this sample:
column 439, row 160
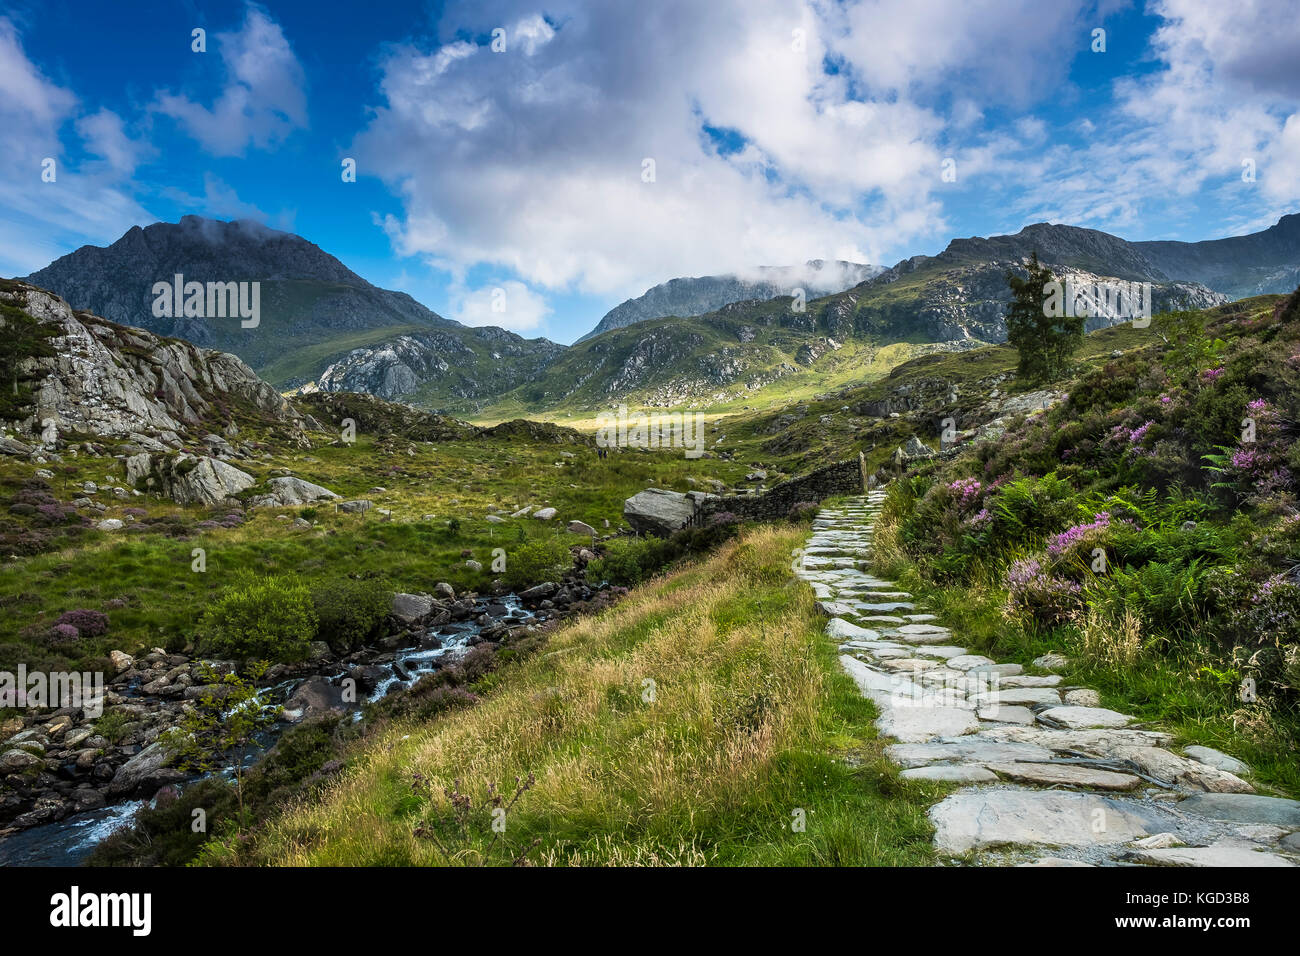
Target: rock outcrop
column 288, row 492
column 113, row 381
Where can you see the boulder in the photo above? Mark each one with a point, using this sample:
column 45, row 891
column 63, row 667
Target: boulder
column 411, row 608
column 12, row 761
column 659, row 511
column 912, row 450
column 314, row 697
column 544, row 514
column 581, row 527
column 539, row 593
column 144, row 772
column 110, row 524
column 359, row 506
column 288, row 491
column 188, row 480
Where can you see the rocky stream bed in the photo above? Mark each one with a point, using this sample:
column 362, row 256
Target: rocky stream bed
column 64, row 787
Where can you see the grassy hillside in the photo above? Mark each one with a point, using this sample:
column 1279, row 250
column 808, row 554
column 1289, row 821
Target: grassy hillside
column 748, row 720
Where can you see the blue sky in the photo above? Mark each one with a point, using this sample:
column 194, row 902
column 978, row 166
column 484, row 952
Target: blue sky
column 780, row 131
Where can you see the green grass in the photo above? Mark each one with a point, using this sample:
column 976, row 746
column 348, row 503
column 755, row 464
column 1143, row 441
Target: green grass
column 152, row 572
column 752, row 723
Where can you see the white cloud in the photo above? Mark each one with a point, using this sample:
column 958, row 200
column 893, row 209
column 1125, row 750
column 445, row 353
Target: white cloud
column 510, row 304
column 43, row 220
column 1169, row 153
column 105, row 136
column 263, row 99
column 531, row 159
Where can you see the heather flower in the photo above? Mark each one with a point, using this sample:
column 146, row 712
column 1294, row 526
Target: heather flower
column 63, row 634
column 1068, row 538
column 1258, row 468
column 1033, row 589
column 86, row 622
column 1137, row 434
column 967, row 490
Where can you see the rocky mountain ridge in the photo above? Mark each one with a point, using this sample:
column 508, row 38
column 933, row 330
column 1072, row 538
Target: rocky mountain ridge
column 699, row 295
column 313, row 308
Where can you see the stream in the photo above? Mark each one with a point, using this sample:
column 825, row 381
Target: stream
column 69, row 841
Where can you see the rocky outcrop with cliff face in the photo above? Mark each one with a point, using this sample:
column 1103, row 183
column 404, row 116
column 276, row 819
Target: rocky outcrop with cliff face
column 105, row 380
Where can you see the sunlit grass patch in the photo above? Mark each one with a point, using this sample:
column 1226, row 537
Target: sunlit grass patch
column 703, row 720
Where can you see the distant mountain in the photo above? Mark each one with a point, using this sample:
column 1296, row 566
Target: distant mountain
column 1239, row 266
column 314, row 310
column 703, row 294
column 961, row 293
column 325, row 327
column 952, row 301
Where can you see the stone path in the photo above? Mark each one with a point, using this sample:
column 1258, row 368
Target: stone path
column 1052, row 778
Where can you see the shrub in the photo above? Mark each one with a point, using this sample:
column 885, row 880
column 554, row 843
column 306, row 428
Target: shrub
column 542, row 559
column 1164, row 596
column 802, row 511
column 350, row 613
column 267, row 618
column 1035, row 592
column 88, row 623
column 620, row 564
column 63, row 635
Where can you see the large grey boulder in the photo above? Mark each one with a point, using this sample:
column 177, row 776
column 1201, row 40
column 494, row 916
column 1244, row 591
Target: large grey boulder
column 288, row 491
column 145, row 772
column 191, row 480
column 314, row 697
column 659, row 511
column 410, row 608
